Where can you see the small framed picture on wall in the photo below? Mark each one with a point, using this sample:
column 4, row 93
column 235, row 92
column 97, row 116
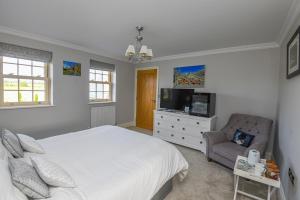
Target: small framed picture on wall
column 71, row 68
column 293, row 54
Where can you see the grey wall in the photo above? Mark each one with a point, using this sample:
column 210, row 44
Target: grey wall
column 287, row 149
column 245, row 82
column 70, row 94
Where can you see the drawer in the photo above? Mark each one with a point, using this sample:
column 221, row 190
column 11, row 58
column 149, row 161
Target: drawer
column 201, row 123
column 169, row 118
column 164, row 124
column 191, row 130
column 200, row 143
column 166, row 134
column 191, row 140
column 174, row 137
column 194, row 131
column 170, row 125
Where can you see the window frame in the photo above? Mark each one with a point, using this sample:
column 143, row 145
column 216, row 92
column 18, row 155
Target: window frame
column 18, row 77
column 109, row 82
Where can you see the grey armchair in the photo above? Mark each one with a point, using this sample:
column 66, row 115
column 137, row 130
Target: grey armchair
column 222, row 150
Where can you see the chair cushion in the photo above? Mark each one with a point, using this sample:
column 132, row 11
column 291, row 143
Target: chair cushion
column 229, row 150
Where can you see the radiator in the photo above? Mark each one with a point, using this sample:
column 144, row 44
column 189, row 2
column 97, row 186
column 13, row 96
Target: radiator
column 105, row 115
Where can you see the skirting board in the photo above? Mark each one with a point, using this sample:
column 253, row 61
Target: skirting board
column 127, row 124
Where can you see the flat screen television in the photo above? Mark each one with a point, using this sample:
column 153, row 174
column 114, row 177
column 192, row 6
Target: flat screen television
column 175, row 99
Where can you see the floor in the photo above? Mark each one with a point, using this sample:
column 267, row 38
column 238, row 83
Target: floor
column 207, row 180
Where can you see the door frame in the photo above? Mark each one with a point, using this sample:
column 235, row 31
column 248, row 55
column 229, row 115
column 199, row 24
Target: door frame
column 135, row 87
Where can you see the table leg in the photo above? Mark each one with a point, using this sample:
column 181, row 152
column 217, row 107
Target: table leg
column 234, row 181
column 269, row 192
column 236, row 187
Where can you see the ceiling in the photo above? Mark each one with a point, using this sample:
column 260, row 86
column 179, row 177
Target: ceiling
column 171, row 26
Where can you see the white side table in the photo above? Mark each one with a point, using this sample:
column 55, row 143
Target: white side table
column 272, row 184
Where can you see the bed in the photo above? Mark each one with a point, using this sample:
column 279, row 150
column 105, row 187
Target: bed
column 113, row 163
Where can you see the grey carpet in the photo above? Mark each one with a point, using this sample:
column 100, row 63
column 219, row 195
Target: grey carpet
column 208, row 180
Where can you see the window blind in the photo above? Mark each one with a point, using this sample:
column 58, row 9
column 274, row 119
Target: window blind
column 102, row 66
column 11, row 50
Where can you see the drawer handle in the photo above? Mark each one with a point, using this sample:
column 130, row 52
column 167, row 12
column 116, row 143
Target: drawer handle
column 157, row 131
column 172, row 126
column 183, row 138
column 158, row 123
column 201, row 142
column 178, row 120
column 198, row 123
column 172, row 135
column 161, row 116
column 183, row 128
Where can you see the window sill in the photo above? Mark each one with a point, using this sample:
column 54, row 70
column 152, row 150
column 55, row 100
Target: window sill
column 25, row 107
column 104, row 102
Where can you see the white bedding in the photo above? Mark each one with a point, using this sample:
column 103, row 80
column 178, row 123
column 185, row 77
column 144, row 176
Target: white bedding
column 113, row 163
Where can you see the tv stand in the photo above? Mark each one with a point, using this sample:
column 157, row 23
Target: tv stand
column 183, row 129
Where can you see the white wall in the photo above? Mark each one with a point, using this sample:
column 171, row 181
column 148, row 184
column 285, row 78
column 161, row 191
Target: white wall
column 287, row 148
column 245, row 82
column 70, row 94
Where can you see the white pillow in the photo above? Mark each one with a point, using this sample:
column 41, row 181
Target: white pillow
column 11, row 142
column 51, row 173
column 7, row 190
column 30, row 144
column 58, row 193
column 18, row 194
column 4, row 153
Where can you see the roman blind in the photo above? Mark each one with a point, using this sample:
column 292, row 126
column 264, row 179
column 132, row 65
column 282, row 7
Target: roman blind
column 102, row 66
column 11, row 50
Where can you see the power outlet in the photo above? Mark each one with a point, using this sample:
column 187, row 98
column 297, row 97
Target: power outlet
column 291, row 176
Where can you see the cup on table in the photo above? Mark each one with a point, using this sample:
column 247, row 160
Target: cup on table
column 259, row 169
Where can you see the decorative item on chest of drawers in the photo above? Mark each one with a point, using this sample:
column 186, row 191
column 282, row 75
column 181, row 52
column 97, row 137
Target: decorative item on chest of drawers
column 183, row 129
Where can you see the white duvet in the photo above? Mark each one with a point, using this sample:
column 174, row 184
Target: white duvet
column 113, row 163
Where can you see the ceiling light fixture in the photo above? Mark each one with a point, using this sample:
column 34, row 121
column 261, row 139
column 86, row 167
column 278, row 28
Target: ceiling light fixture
column 139, row 52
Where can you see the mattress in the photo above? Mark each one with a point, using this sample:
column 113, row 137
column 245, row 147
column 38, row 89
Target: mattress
column 113, row 163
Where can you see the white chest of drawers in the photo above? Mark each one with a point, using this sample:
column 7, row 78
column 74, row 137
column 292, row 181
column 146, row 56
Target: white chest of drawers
column 183, row 129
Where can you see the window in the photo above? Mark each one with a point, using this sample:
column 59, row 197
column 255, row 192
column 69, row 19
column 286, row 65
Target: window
column 23, row 82
column 100, row 85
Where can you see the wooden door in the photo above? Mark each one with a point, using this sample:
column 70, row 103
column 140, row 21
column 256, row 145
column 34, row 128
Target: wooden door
column 146, row 98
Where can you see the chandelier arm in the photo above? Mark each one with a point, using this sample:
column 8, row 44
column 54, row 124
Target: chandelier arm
column 136, row 56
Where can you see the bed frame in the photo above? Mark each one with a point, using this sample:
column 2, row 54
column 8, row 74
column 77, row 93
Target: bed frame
column 164, row 191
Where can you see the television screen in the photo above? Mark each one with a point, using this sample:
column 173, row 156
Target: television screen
column 175, row 99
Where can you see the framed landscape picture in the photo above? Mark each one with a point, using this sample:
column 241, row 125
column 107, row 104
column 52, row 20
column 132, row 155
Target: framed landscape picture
column 293, row 54
column 189, row 76
column 72, row 68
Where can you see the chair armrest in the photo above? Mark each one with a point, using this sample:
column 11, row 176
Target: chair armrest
column 260, row 146
column 212, row 138
column 215, row 137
